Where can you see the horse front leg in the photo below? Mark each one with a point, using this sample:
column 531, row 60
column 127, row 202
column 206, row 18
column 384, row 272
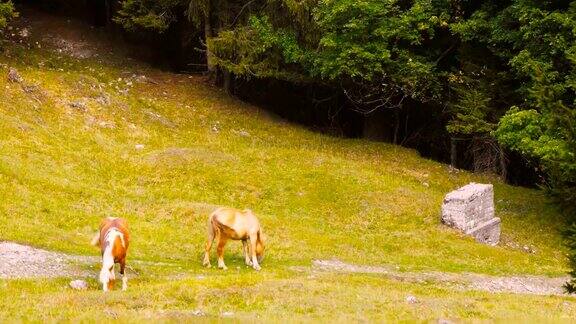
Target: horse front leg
column 246, row 250
column 207, row 248
column 123, row 273
column 253, row 238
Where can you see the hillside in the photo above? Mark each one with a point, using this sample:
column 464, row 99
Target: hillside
column 90, row 133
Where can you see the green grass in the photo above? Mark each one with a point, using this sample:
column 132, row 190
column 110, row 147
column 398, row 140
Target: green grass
column 275, row 298
column 63, row 169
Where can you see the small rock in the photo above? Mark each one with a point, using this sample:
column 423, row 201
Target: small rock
column 29, row 88
column 106, row 124
column 139, row 146
column 227, row 314
column 198, row 313
column 528, row 249
column 425, row 184
column 24, row 33
column 111, row 313
column 411, row 299
column 78, row 284
column 216, row 127
column 243, row 133
column 444, row 321
column 78, row 105
column 14, row 76
column 103, row 99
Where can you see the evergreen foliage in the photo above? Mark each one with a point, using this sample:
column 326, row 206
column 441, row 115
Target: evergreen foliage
column 7, row 12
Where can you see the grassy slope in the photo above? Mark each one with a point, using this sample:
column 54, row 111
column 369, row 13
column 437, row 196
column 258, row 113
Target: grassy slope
column 62, row 169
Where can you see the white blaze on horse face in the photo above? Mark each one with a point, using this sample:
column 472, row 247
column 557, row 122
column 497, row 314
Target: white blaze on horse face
column 107, row 271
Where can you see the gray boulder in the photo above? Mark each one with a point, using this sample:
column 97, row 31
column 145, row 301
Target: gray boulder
column 471, row 209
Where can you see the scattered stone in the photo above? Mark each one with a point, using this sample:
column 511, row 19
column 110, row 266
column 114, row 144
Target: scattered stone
column 198, row 313
column 78, row 105
column 75, row 49
column 29, row 88
column 142, row 79
column 411, row 299
column 426, row 184
column 528, row 249
column 243, row 133
column 106, row 124
column 471, row 209
column 103, row 99
column 216, row 127
column 159, row 118
column 24, row 33
column 139, row 146
column 227, row 314
column 14, row 76
column 78, row 284
column 111, row 313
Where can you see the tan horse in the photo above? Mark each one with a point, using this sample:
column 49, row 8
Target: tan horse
column 113, row 239
column 231, row 224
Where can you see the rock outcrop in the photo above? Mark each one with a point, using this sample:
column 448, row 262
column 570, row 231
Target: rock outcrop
column 471, row 209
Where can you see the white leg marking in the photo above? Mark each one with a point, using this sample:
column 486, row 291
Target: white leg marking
column 255, row 264
column 107, row 271
column 124, row 282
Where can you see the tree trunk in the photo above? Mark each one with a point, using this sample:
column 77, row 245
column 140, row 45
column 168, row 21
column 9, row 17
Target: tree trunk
column 227, row 81
column 397, row 126
column 503, row 165
column 208, row 33
column 474, row 146
column 453, row 153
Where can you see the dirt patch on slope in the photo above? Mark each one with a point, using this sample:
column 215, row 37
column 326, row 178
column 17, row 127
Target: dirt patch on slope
column 22, row 261
column 534, row 285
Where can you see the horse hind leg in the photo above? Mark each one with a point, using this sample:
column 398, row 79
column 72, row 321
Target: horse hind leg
column 220, row 243
column 208, row 246
column 253, row 239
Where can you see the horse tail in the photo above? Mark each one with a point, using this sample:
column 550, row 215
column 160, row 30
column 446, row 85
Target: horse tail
column 96, row 239
column 212, row 224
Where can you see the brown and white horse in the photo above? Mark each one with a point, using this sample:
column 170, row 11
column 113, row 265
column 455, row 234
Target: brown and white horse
column 228, row 223
column 113, row 239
